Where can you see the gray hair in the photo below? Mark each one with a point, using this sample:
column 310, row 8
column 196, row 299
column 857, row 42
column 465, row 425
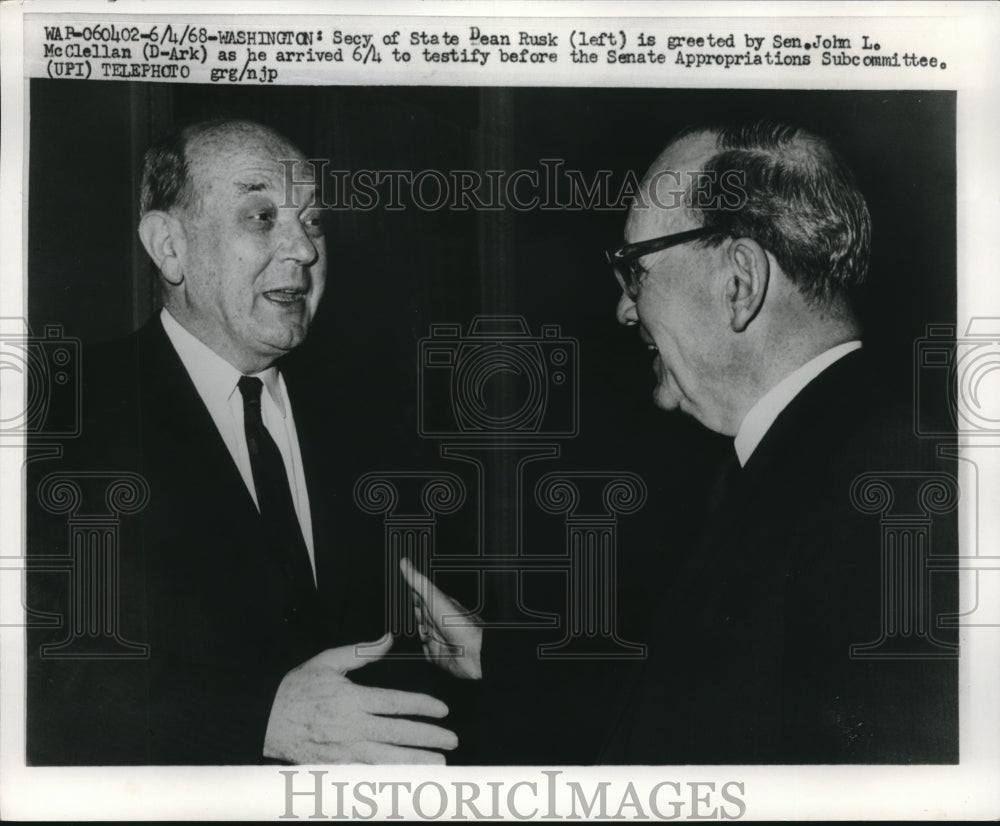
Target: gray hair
column 801, row 203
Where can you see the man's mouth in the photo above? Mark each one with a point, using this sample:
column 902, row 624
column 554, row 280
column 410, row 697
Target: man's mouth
column 285, row 296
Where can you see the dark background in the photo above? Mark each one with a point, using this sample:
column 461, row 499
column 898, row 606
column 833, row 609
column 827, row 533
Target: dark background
column 393, row 274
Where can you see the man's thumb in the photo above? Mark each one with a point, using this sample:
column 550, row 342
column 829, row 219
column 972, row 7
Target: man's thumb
column 363, row 653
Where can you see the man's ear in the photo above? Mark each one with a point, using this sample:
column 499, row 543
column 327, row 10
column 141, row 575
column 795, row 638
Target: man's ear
column 163, row 237
column 749, row 274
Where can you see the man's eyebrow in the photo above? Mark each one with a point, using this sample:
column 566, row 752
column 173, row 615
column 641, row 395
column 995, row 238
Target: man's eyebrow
column 250, row 186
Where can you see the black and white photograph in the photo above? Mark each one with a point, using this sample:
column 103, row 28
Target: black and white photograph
column 461, row 429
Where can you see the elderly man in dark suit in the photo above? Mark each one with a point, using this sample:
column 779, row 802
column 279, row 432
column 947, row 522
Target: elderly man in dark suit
column 231, row 573
column 744, row 250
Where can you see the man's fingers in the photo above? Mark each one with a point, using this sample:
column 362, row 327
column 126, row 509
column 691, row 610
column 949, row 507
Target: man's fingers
column 421, row 585
column 400, row 732
column 394, row 702
column 383, row 753
column 349, row 657
column 373, row 728
column 455, row 646
column 436, row 601
column 371, row 753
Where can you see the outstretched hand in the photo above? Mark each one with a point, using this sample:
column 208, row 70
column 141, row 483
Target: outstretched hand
column 455, row 646
column 320, row 716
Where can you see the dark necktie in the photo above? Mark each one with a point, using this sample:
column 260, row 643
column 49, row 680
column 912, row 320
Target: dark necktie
column 274, row 496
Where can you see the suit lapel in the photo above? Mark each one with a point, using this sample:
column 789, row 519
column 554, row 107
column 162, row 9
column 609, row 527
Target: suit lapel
column 171, row 399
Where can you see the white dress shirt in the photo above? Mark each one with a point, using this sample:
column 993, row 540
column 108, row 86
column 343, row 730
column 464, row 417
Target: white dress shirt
column 216, row 382
column 761, row 416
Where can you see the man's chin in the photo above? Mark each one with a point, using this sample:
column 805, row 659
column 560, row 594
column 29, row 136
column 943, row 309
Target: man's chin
column 283, row 339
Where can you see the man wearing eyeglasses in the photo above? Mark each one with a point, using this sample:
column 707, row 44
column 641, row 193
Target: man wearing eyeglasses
column 761, row 649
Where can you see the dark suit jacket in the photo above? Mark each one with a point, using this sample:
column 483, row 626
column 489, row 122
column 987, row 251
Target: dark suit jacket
column 749, row 653
column 198, row 582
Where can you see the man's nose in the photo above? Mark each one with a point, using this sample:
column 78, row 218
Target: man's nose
column 626, row 312
column 298, row 245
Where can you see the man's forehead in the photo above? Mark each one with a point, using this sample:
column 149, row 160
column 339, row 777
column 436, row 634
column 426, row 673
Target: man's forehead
column 242, row 163
column 661, row 207
column 688, row 153
column 645, row 220
column 242, row 181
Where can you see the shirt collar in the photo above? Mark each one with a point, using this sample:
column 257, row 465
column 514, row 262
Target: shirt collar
column 761, row 416
column 215, row 378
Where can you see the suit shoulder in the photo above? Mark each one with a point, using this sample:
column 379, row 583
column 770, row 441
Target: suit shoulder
column 113, row 377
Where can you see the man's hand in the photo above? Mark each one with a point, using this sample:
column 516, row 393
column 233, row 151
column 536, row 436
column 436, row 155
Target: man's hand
column 320, row 716
column 455, row 647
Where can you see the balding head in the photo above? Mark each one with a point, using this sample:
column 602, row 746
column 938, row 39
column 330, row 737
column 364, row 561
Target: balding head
column 236, row 233
column 173, row 166
column 765, row 288
column 662, row 206
column 781, row 185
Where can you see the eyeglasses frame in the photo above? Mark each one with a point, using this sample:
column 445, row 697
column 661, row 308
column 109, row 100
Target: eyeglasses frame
column 621, row 257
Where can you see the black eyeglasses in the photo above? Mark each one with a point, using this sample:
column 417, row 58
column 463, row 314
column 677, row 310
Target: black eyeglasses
column 624, row 260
